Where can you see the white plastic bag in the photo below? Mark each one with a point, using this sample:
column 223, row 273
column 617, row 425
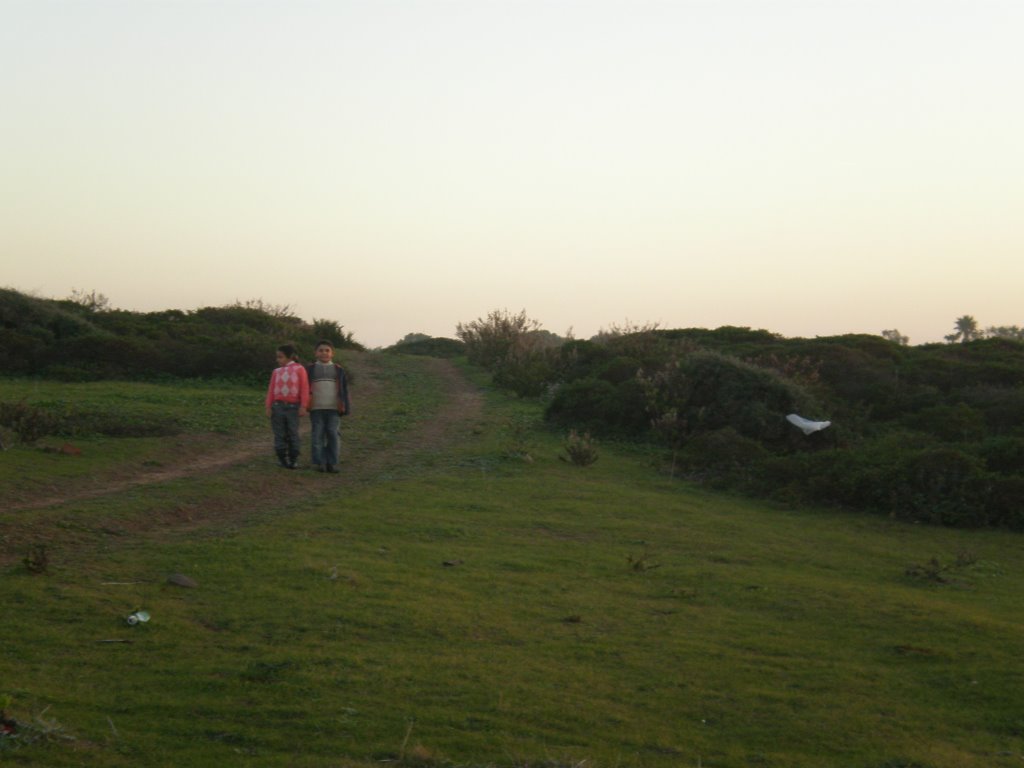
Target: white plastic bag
column 806, row 425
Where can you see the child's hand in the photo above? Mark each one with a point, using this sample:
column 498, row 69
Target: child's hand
column 302, row 411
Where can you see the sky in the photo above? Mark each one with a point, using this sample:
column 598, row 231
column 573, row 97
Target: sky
column 811, row 167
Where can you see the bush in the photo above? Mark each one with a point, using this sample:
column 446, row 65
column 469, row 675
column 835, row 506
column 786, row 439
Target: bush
column 928, row 433
column 489, row 340
column 620, row 369
column 950, row 423
column 941, row 485
column 74, row 341
column 579, row 449
column 723, row 455
column 531, row 366
column 1002, row 407
column 28, row 422
column 1004, row 502
column 600, row 407
column 1004, row 455
column 856, row 368
column 332, row 332
column 586, row 402
column 711, row 391
column 429, row 347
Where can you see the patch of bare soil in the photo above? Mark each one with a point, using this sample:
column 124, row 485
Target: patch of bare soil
column 246, row 492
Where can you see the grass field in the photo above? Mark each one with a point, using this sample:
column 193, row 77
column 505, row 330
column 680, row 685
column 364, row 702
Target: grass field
column 449, row 602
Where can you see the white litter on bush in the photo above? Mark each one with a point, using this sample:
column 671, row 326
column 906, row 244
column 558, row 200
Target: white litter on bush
column 806, row 425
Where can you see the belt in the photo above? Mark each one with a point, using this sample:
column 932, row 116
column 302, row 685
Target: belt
column 283, row 402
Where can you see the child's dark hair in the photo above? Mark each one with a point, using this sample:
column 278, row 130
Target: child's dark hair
column 324, row 343
column 289, row 351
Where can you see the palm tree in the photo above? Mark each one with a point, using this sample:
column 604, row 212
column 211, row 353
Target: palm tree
column 966, row 330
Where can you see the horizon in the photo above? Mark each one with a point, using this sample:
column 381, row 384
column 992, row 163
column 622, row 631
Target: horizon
column 274, row 308
column 401, row 167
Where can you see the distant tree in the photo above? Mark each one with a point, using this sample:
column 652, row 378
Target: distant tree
column 427, row 346
column 896, row 337
column 90, row 300
column 413, row 338
column 332, row 331
column 279, row 311
column 489, row 340
column 966, row 330
column 628, row 328
column 1004, row 332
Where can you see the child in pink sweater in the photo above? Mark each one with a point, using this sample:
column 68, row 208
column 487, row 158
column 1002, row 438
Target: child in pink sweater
column 287, row 399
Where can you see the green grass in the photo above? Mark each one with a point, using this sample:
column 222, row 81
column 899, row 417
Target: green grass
column 188, row 406
column 182, row 415
column 599, row 616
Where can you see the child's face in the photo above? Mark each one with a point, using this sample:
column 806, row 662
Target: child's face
column 324, row 353
column 282, row 359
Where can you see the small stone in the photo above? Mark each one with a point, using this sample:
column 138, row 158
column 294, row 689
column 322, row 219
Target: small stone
column 181, row 580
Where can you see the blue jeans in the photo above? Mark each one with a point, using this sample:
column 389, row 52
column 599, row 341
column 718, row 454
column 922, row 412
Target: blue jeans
column 326, row 439
column 284, row 421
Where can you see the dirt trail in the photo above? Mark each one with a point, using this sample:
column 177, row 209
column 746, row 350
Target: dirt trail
column 460, row 408
column 197, row 464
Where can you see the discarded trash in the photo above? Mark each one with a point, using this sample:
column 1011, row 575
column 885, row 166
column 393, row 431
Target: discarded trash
column 181, row 580
column 806, row 425
column 139, row 617
column 8, row 726
column 67, row 450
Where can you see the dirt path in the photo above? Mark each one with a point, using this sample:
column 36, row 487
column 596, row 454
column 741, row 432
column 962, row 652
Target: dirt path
column 244, row 449
column 244, row 457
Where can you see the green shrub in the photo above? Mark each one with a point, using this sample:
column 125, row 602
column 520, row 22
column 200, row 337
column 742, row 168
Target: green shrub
column 857, row 369
column 711, row 391
column 28, row 422
column 529, row 369
column 950, row 423
column 429, row 347
column 1004, row 502
column 620, row 369
column 20, row 353
column 1001, row 407
column 587, row 402
column 76, row 342
column 1004, row 455
column 914, row 430
column 722, row 454
column 489, row 340
column 580, row 449
column 600, row 407
column 941, row 485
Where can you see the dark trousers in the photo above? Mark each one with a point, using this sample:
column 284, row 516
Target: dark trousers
column 284, row 421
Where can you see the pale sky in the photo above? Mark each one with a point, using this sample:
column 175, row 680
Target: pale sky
column 811, row 168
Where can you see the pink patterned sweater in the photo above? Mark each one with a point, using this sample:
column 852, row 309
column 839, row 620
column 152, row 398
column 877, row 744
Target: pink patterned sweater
column 289, row 384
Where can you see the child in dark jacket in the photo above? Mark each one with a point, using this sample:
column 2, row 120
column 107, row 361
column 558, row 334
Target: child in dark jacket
column 328, row 403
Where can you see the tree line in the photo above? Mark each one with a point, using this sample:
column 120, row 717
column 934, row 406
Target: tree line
column 82, row 338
